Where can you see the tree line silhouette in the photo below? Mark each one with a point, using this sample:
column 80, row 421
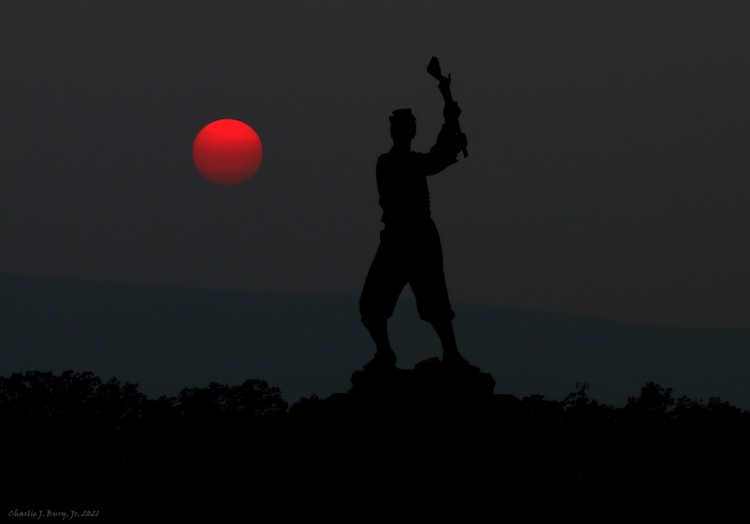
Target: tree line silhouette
column 56, row 424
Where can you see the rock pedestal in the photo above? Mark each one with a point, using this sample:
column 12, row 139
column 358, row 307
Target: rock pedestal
column 428, row 380
column 430, row 390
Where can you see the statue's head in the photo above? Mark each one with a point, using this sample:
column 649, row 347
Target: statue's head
column 403, row 125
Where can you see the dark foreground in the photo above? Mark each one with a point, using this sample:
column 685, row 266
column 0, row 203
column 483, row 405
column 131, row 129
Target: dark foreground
column 417, row 443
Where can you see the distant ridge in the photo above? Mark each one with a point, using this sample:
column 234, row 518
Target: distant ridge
column 166, row 338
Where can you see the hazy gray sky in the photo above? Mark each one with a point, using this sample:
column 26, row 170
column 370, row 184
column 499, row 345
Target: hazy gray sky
column 608, row 146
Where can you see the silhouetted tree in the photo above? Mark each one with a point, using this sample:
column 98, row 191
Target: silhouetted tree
column 56, row 423
column 251, row 398
column 69, row 397
column 654, row 403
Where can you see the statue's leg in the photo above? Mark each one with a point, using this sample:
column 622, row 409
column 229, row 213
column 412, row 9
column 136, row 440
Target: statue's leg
column 444, row 330
column 383, row 285
column 384, row 354
column 451, row 355
column 431, row 292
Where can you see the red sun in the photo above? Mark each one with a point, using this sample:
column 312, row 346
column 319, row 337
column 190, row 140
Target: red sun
column 227, row 152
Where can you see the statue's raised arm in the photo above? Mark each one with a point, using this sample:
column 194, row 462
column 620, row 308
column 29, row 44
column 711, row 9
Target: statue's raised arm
column 451, row 111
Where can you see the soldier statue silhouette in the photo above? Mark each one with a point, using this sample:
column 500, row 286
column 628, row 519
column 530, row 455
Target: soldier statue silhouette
column 410, row 251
